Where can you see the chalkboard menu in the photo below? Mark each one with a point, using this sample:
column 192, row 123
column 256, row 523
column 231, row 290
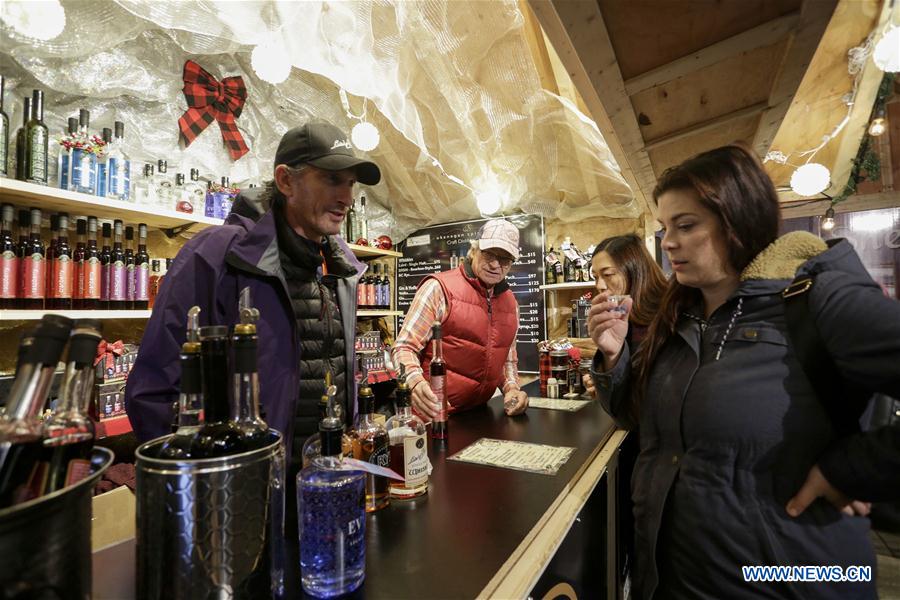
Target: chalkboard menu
column 431, row 250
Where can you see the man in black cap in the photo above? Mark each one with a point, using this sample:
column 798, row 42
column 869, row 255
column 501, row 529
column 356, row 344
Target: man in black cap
column 280, row 241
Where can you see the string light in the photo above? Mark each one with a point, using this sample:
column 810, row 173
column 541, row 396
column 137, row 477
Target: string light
column 39, row 20
column 810, row 179
column 828, row 219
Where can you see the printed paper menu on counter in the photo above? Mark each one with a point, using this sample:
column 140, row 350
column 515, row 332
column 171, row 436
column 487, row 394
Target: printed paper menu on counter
column 521, row 456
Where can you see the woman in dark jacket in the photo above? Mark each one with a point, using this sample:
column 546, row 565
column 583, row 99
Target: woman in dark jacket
column 730, row 426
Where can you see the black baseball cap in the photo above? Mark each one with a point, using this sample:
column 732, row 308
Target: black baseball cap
column 324, row 146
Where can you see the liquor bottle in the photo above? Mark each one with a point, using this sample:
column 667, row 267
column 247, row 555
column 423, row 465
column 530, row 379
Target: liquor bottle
column 24, row 233
column 194, row 194
column 102, row 158
column 34, row 266
column 50, row 254
column 361, row 293
column 454, row 259
column 362, row 228
column 78, row 264
column 162, row 184
column 20, row 139
column 20, row 430
column 409, row 447
column 181, row 194
column 219, row 435
column 144, row 191
column 105, row 267
column 312, row 447
column 92, row 272
column 142, row 271
column 190, row 397
column 372, row 283
column 84, row 160
column 350, row 225
column 9, row 262
column 118, row 167
column 155, row 272
column 130, row 275
column 331, row 518
column 439, row 427
column 37, row 140
column 245, row 380
column 64, row 162
column 60, row 296
column 550, row 268
column 118, row 290
column 69, row 432
column 386, row 288
column 4, row 131
column 370, row 444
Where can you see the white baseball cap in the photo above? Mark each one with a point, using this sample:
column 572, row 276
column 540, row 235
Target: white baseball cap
column 501, row 234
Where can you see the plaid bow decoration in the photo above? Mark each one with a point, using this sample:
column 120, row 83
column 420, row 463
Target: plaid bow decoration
column 209, row 99
column 108, row 351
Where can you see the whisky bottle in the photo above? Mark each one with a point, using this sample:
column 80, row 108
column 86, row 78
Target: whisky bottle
column 21, row 475
column 34, row 266
column 37, row 139
column 92, row 272
column 370, row 444
column 20, row 139
column 78, row 264
column 219, row 435
column 437, row 372
column 142, row 271
column 69, row 432
column 9, row 262
column 408, row 446
column 4, row 131
column 118, row 167
column 60, row 296
column 190, row 397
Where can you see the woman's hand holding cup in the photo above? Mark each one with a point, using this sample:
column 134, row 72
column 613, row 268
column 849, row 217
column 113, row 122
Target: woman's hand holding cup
column 608, row 325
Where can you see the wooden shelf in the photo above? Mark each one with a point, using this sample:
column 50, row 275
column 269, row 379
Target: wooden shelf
column 26, row 195
column 379, row 313
column 370, row 252
column 34, row 315
column 572, row 285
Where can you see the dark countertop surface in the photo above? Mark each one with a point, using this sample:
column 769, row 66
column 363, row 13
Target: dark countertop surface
column 451, row 542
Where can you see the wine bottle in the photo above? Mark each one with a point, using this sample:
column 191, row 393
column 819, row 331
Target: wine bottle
column 190, row 397
column 118, row 298
column 60, row 296
column 93, row 270
column 20, row 139
column 34, row 266
column 4, row 131
column 130, row 276
column 105, row 267
column 142, row 271
column 219, row 435
column 386, row 288
column 24, row 233
column 69, row 432
column 37, row 139
column 49, row 255
column 9, row 262
column 78, row 264
column 21, row 474
column 437, row 371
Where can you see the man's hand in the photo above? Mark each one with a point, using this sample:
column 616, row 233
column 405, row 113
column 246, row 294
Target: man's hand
column 816, row 486
column 515, row 402
column 424, row 400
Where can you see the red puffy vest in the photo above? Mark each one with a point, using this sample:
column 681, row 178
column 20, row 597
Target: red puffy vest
column 477, row 335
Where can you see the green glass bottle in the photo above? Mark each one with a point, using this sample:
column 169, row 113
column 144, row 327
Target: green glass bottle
column 36, row 142
column 20, row 139
column 4, row 131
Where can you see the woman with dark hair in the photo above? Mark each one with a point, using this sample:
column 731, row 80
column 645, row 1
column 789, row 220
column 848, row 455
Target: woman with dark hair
column 730, row 426
column 622, row 265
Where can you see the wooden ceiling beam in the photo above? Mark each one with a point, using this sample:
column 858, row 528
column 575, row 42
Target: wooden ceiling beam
column 580, row 38
column 814, row 18
column 714, row 123
column 855, row 203
column 763, row 35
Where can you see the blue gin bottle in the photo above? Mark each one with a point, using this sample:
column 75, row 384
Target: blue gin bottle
column 102, row 162
column 332, row 519
column 65, row 154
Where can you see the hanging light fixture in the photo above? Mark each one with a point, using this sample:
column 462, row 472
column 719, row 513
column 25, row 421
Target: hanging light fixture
column 887, row 51
column 365, row 136
column 270, row 60
column 828, row 219
column 810, row 179
column 39, row 20
column 878, row 125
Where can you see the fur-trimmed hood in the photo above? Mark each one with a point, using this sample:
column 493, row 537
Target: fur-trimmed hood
column 782, row 258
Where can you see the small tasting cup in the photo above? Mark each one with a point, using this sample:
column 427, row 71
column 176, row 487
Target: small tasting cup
column 619, row 299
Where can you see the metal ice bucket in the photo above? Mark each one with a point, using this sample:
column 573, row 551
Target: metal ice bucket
column 46, row 542
column 210, row 528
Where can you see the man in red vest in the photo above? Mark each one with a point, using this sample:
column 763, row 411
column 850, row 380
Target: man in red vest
column 479, row 318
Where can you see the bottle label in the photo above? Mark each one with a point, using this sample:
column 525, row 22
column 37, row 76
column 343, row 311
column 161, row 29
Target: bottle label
column 118, row 290
column 370, row 294
column 92, row 279
column 415, row 460
column 361, row 295
column 61, row 282
column 381, row 455
column 9, row 274
column 101, row 179
column 78, row 280
column 84, row 170
column 130, row 282
column 142, row 282
column 37, row 144
column 437, row 386
column 119, row 173
column 35, row 270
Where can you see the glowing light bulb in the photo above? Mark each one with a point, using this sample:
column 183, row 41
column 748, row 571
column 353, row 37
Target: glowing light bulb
column 887, row 51
column 41, row 20
column 828, row 220
column 365, row 136
column 488, row 202
column 270, row 61
column 877, row 127
column 810, row 179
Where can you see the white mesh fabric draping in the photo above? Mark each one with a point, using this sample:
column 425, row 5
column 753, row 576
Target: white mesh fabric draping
column 451, row 86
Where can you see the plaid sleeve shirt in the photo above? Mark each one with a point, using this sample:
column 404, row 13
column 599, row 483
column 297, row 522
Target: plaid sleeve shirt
column 430, row 306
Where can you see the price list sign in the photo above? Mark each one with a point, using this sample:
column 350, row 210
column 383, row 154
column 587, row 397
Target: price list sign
column 440, row 247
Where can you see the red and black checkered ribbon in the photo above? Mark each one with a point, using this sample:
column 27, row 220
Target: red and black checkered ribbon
column 209, row 99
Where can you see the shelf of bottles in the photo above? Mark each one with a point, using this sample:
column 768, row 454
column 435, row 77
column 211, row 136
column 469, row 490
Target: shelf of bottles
column 36, row 315
column 379, row 313
column 572, row 285
column 49, row 198
column 372, row 252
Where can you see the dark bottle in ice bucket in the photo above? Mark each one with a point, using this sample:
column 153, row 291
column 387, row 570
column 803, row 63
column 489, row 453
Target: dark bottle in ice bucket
column 190, row 399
